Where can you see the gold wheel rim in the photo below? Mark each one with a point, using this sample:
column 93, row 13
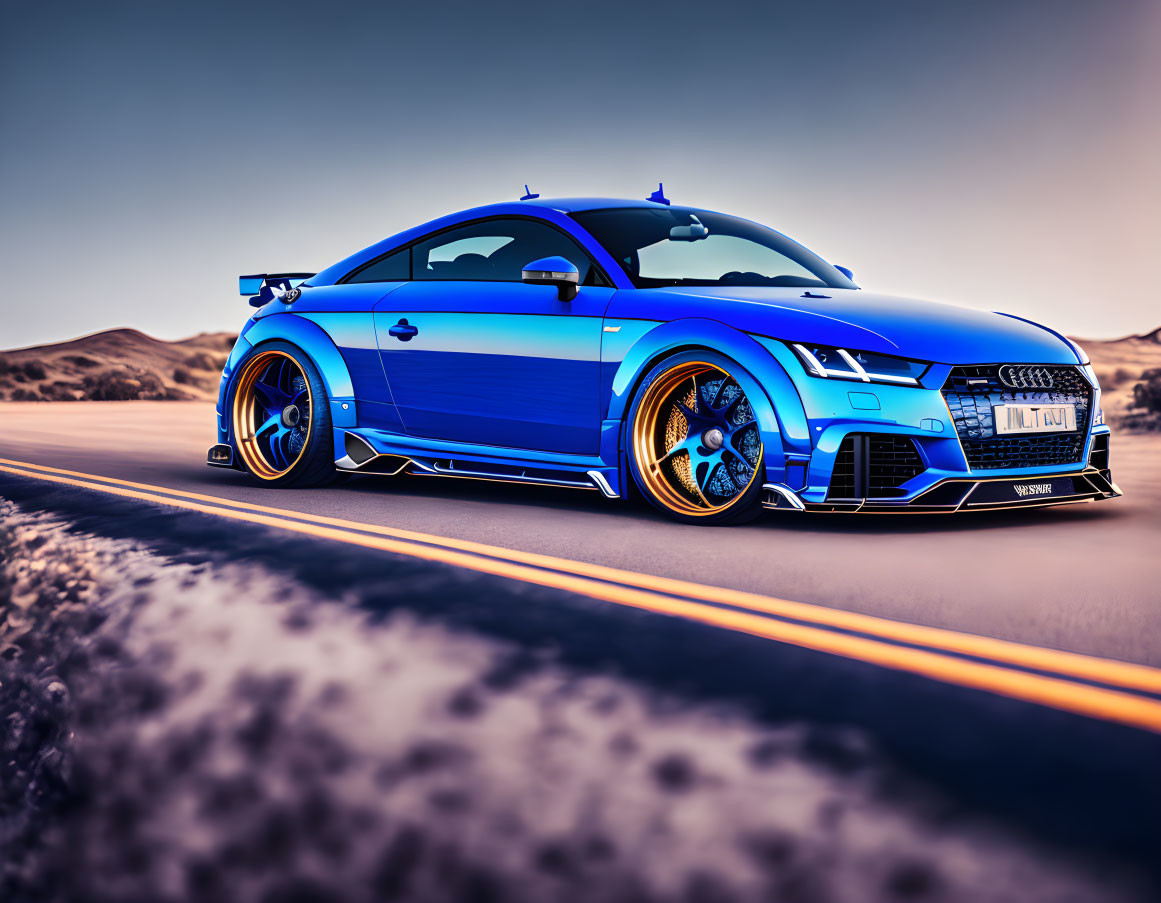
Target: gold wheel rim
column 663, row 436
column 250, row 412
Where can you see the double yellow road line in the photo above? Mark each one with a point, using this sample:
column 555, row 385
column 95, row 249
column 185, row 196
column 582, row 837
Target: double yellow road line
column 1086, row 685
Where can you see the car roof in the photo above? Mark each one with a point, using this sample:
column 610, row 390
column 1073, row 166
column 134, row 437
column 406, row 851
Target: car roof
column 560, row 205
column 575, row 205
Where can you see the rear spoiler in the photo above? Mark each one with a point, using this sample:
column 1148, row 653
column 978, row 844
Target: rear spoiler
column 264, row 287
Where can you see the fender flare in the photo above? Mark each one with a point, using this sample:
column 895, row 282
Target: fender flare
column 778, row 407
column 315, row 343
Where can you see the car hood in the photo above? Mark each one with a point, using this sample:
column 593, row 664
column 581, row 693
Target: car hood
column 923, row 330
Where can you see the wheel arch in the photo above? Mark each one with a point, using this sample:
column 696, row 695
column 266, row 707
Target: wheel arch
column 780, row 412
column 315, row 343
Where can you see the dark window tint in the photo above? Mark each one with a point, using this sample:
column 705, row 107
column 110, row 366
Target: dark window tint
column 392, row 268
column 496, row 251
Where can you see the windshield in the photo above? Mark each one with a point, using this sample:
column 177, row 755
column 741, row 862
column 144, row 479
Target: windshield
column 684, row 246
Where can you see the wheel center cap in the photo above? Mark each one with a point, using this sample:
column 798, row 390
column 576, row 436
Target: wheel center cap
column 291, row 415
column 713, row 439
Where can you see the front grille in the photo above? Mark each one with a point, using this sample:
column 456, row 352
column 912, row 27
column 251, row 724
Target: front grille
column 873, row 466
column 971, row 394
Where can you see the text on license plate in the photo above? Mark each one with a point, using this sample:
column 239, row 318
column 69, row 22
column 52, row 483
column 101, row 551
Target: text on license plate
column 1034, row 418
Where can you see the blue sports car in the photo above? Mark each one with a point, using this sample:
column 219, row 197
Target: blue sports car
column 703, row 360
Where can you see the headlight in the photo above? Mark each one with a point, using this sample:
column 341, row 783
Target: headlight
column 860, row 366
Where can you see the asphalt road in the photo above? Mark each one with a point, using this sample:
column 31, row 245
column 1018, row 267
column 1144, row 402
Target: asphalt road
column 1062, row 747
column 1082, row 578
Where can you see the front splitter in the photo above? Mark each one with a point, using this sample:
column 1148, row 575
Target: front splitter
column 967, row 494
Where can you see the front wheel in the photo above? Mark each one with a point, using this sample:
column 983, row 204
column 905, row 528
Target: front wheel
column 280, row 419
column 695, row 449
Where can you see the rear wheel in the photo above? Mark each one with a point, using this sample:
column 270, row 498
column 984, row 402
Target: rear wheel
column 695, row 447
column 280, row 419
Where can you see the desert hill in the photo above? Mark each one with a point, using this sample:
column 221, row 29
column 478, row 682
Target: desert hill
column 116, row 365
column 1120, row 365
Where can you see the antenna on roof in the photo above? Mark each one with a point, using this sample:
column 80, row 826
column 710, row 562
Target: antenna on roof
column 658, row 196
column 528, row 195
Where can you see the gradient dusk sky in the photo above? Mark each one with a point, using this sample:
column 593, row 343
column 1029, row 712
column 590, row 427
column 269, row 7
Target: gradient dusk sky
column 1001, row 154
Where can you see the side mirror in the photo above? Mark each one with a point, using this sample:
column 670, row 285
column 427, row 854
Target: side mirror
column 845, row 272
column 553, row 271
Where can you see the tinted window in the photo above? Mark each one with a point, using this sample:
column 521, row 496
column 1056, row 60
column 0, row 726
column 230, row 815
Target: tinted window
column 683, row 246
column 392, row 268
column 496, row 251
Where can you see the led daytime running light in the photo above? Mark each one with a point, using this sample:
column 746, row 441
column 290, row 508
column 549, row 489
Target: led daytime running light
column 857, row 373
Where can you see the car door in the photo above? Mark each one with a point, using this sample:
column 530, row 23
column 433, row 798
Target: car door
column 472, row 354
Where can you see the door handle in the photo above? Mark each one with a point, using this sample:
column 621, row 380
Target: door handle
column 404, row 331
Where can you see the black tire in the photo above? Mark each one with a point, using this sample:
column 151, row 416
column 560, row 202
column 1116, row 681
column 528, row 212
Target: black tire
column 305, row 458
column 673, row 416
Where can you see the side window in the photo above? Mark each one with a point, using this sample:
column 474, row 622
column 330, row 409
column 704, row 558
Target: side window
column 392, row 268
column 496, row 251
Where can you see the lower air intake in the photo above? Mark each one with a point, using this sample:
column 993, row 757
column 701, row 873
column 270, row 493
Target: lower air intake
column 873, row 466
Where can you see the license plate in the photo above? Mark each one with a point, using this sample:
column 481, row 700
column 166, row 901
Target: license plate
column 1034, row 418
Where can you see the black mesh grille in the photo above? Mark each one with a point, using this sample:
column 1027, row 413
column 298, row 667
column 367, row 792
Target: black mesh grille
column 971, row 394
column 893, row 461
column 873, row 466
column 842, row 478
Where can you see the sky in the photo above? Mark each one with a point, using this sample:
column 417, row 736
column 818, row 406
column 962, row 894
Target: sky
column 1000, row 154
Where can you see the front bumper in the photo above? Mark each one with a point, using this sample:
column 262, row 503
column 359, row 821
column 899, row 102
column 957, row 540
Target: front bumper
column 934, row 448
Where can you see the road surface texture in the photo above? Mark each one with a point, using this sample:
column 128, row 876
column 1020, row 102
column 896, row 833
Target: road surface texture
column 210, row 700
column 1085, row 578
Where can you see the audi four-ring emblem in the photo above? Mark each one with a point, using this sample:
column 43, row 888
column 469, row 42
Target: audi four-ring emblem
column 1026, row 377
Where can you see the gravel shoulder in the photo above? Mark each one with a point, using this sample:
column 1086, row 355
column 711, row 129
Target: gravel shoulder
column 182, row 729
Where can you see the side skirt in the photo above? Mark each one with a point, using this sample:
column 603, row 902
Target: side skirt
column 362, row 457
